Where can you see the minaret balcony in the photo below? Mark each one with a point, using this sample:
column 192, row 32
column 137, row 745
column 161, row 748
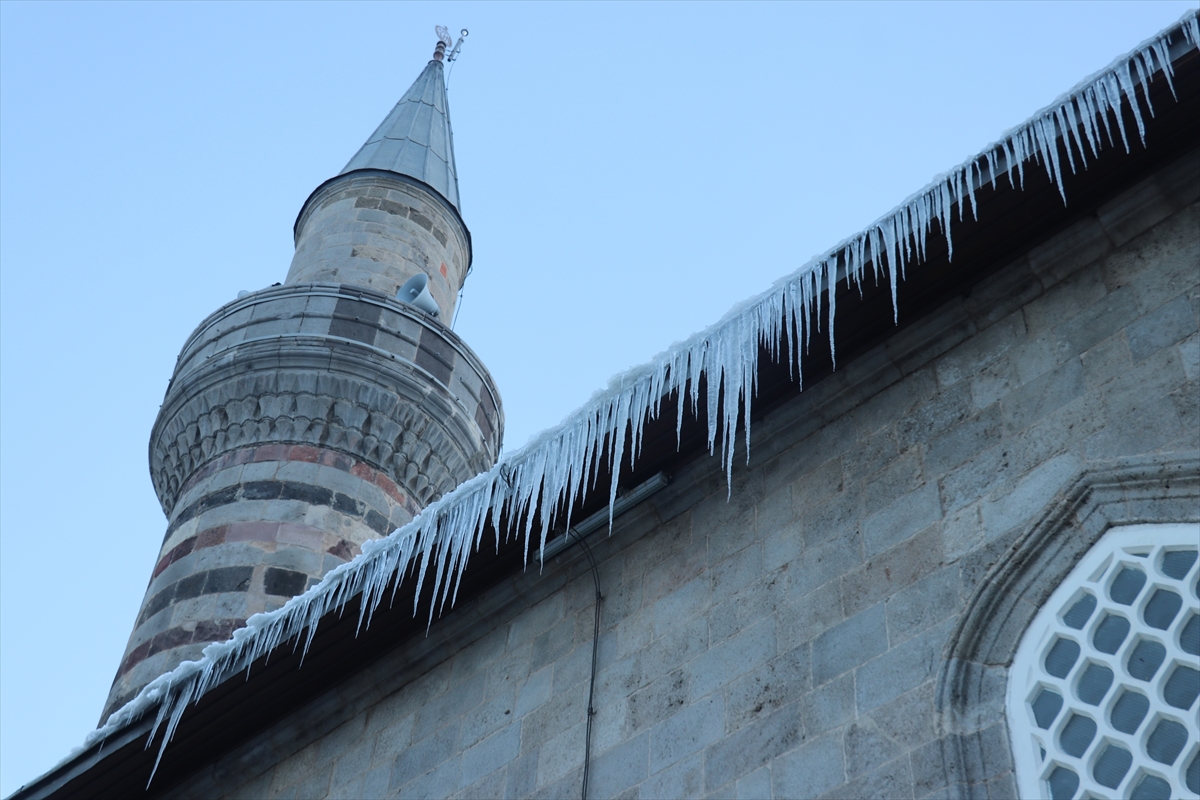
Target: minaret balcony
column 335, row 366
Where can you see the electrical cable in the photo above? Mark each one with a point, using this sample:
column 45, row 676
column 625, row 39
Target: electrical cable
column 591, row 711
column 458, row 305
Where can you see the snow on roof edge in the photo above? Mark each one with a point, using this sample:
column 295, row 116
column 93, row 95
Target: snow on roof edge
column 555, row 465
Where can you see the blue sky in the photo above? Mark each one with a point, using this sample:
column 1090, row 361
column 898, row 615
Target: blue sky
column 628, row 172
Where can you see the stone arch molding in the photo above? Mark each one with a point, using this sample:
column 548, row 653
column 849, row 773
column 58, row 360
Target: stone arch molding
column 972, row 684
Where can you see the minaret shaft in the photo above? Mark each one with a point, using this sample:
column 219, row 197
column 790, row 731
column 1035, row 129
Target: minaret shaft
column 378, row 229
column 305, row 419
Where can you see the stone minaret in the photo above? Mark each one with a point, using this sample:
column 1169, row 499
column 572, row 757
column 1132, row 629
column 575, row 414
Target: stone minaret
column 306, row 418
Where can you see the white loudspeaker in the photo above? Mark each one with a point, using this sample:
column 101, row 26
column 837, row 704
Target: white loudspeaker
column 415, row 292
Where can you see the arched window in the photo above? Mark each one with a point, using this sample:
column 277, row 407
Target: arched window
column 1102, row 694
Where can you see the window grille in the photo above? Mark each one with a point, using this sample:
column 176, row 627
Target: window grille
column 1102, row 696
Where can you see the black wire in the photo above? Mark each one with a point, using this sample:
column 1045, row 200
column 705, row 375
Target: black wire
column 591, row 711
column 457, row 308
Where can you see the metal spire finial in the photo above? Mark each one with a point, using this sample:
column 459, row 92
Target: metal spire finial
column 457, row 46
column 444, row 41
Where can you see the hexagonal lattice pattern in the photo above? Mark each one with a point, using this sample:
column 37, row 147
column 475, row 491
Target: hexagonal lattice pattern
column 1102, row 696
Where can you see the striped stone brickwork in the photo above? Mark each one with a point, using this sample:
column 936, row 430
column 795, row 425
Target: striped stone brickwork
column 252, row 529
column 378, row 229
column 328, row 365
column 301, row 421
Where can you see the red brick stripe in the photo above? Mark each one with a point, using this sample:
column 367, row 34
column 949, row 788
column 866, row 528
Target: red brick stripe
column 309, row 454
column 214, row 630
column 284, row 532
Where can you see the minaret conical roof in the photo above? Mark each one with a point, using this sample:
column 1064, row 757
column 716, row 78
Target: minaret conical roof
column 415, row 139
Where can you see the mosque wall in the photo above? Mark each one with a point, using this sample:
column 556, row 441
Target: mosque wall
column 832, row 629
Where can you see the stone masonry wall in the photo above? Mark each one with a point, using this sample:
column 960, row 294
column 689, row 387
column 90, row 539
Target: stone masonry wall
column 376, row 229
column 787, row 642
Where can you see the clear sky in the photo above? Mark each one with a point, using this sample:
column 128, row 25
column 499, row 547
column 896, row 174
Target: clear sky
column 628, row 172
